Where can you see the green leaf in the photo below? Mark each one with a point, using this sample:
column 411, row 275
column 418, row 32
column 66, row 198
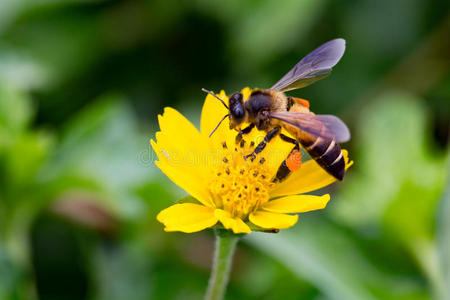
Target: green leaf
column 103, row 144
column 393, row 151
column 330, row 260
column 443, row 232
column 264, row 25
column 273, row 27
column 15, row 113
column 10, row 277
column 20, row 71
column 188, row 199
column 398, row 179
column 25, row 157
column 123, row 272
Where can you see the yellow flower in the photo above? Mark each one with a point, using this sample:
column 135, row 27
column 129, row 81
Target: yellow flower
column 237, row 192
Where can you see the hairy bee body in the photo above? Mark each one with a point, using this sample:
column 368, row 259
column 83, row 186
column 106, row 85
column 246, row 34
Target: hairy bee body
column 326, row 152
column 270, row 110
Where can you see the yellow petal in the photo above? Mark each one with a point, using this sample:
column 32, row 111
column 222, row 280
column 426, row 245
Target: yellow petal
column 212, row 112
column 271, row 220
column 182, row 143
column 187, row 217
column 296, row 204
column 178, row 132
column 181, row 150
column 235, row 224
column 189, row 179
column 308, row 178
column 246, row 93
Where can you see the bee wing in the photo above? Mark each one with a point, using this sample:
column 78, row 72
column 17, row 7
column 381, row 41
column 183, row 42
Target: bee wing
column 314, row 66
column 325, row 126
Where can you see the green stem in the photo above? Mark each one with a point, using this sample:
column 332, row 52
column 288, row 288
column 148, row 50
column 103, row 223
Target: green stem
column 223, row 256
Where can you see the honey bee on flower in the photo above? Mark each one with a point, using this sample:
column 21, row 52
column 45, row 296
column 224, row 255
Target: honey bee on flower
column 253, row 179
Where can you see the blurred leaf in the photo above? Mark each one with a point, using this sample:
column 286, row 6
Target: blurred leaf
column 103, row 144
column 9, row 277
column 393, row 151
column 15, row 113
column 11, row 9
column 328, row 259
column 25, row 157
column 122, row 272
column 444, row 238
column 273, row 27
column 264, row 25
column 21, row 71
column 398, row 179
column 188, row 199
column 49, row 48
column 22, row 151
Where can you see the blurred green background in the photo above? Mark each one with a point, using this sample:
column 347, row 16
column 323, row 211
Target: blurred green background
column 81, row 84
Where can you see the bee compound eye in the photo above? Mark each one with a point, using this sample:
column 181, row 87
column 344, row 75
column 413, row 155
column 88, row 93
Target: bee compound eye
column 236, row 97
column 238, row 112
column 236, row 106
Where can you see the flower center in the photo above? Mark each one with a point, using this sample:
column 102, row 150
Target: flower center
column 240, row 185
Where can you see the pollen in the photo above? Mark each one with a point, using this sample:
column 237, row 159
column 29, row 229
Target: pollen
column 237, row 185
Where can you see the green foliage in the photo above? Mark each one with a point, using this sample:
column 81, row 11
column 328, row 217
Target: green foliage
column 393, row 153
column 83, row 81
column 397, row 156
column 443, row 239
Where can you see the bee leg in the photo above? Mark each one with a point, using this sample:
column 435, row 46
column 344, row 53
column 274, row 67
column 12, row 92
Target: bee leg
column 284, row 170
column 246, row 130
column 282, row 173
column 269, row 136
column 288, row 139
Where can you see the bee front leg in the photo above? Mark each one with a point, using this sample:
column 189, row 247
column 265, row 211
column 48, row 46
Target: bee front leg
column 246, row 130
column 269, row 136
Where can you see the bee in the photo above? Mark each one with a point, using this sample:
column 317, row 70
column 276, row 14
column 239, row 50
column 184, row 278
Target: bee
column 270, row 110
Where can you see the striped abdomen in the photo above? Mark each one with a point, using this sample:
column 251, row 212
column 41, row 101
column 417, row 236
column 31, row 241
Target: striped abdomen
column 327, row 153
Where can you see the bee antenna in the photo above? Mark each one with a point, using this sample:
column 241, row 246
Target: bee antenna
column 218, row 124
column 214, row 95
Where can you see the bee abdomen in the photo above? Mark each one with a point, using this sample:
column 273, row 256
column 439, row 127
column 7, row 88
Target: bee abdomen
column 327, row 153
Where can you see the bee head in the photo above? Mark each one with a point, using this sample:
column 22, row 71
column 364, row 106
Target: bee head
column 237, row 110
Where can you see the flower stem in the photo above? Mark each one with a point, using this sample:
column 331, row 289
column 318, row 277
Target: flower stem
column 223, row 256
